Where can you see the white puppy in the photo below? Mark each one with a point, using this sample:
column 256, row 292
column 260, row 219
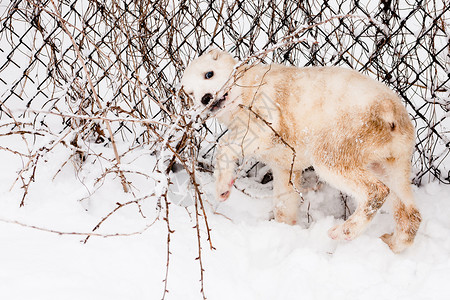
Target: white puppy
column 353, row 130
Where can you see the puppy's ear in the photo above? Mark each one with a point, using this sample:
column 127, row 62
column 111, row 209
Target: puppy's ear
column 215, row 53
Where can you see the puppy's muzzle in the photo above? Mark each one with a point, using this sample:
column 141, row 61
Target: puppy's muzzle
column 219, row 103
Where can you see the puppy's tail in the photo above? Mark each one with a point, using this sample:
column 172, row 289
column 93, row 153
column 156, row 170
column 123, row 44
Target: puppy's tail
column 394, row 117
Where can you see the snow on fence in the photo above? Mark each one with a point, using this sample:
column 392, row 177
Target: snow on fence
column 97, row 82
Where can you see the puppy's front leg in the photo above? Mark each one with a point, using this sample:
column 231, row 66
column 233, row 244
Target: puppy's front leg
column 224, row 173
column 286, row 199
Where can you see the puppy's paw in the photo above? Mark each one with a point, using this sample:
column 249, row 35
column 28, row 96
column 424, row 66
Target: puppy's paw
column 346, row 231
column 282, row 216
column 396, row 244
column 223, row 188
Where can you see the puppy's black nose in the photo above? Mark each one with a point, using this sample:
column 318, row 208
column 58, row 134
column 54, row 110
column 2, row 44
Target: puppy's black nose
column 206, row 99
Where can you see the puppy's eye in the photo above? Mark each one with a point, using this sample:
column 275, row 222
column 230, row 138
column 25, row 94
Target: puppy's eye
column 209, row 74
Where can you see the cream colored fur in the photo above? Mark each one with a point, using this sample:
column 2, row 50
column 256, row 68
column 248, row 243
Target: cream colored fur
column 352, row 129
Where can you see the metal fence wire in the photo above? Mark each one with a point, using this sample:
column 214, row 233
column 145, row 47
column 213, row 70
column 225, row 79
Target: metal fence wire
column 135, row 52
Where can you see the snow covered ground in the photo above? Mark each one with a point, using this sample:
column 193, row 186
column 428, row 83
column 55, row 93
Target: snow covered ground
column 255, row 258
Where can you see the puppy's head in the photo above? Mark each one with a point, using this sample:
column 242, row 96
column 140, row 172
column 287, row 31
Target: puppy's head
column 204, row 79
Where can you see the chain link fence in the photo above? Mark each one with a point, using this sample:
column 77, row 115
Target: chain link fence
column 98, row 68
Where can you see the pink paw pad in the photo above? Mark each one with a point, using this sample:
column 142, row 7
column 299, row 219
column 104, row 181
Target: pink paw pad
column 224, row 196
column 332, row 233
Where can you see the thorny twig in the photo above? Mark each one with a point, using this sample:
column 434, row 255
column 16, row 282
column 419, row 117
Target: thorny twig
column 119, row 206
column 104, row 235
column 93, row 90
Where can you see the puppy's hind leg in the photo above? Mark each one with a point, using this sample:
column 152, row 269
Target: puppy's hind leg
column 406, row 215
column 286, row 200
column 369, row 192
